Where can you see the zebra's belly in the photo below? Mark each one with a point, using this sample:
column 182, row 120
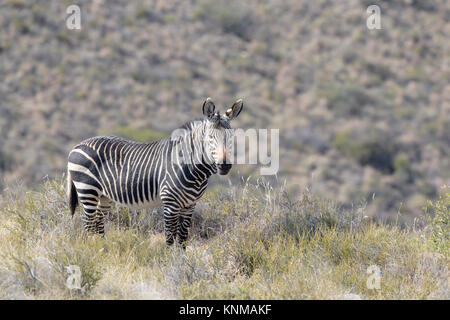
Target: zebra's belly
column 141, row 205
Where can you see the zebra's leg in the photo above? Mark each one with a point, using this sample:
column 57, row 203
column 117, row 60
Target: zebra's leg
column 89, row 215
column 184, row 225
column 171, row 223
column 104, row 208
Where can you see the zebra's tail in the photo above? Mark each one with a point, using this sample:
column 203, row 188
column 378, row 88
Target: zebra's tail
column 72, row 193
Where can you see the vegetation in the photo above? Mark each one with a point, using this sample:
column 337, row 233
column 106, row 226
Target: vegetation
column 140, row 135
column 440, row 222
column 251, row 241
column 363, row 118
column 230, row 16
column 363, row 114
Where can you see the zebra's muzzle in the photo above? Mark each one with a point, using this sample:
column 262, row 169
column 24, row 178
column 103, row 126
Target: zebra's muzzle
column 224, row 168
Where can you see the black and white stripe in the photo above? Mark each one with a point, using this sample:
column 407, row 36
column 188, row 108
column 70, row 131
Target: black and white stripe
column 172, row 172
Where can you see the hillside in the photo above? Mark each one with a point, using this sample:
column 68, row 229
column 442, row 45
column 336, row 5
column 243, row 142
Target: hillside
column 364, row 115
column 250, row 242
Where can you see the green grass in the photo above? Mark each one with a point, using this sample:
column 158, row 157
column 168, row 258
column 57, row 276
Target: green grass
column 247, row 242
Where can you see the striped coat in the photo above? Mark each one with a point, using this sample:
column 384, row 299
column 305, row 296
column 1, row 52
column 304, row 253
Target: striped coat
column 172, row 172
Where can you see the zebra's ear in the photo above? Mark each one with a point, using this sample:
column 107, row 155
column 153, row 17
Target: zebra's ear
column 235, row 109
column 208, row 108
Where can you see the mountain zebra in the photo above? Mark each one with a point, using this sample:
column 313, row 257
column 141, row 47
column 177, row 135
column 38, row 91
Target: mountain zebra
column 173, row 172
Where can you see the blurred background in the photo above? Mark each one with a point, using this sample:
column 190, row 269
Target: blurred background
column 364, row 115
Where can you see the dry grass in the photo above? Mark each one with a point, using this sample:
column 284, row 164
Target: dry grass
column 248, row 242
column 361, row 112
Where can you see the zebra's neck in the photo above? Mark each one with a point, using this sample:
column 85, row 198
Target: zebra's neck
column 195, row 157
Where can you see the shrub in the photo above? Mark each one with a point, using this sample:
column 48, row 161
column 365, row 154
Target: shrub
column 439, row 216
column 231, row 16
column 6, row 161
column 374, row 148
column 346, row 100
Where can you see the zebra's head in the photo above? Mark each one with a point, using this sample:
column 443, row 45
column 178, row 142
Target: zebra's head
column 219, row 135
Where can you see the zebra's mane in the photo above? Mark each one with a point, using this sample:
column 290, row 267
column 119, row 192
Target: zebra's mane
column 217, row 119
column 190, row 124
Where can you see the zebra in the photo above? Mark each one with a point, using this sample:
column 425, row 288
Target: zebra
column 106, row 169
